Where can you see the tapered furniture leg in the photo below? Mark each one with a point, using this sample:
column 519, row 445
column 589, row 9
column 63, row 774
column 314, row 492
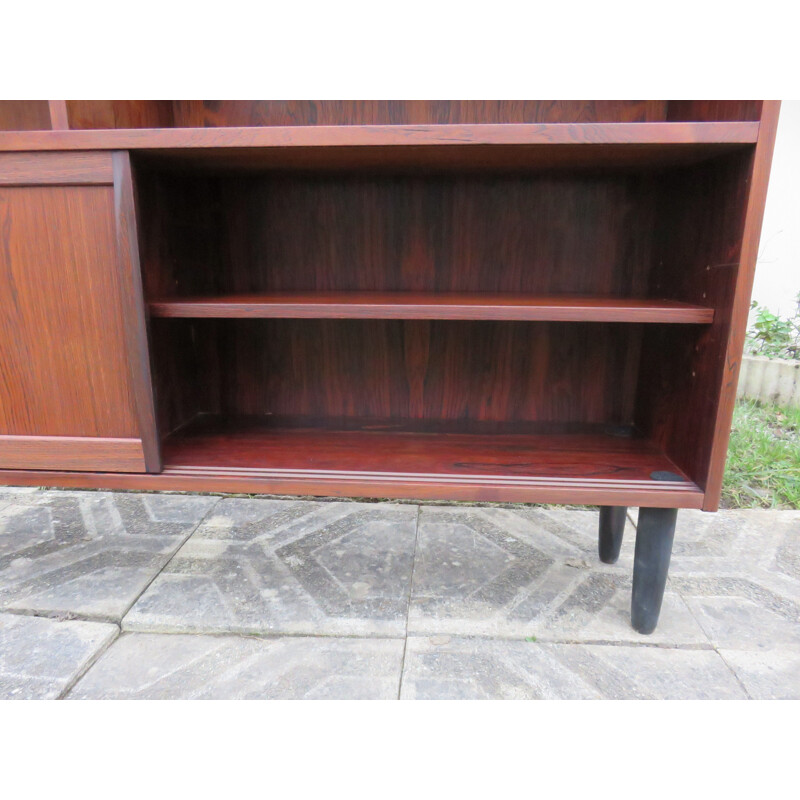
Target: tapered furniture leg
column 612, row 526
column 654, row 534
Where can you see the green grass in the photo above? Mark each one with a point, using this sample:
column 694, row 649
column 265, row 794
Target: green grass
column 763, row 467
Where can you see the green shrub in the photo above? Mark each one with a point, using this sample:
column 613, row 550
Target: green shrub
column 774, row 336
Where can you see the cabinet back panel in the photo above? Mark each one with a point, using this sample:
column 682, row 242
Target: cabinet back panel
column 93, row 114
column 220, row 113
column 582, row 234
column 400, row 370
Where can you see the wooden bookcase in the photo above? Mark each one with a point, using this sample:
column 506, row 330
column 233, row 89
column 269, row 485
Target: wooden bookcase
column 535, row 301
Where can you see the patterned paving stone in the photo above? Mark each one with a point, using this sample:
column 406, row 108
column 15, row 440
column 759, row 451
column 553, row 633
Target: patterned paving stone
column 89, row 553
column 458, row 668
column 528, row 571
column 767, row 674
column 261, row 566
column 156, row 666
column 739, row 573
column 40, row 658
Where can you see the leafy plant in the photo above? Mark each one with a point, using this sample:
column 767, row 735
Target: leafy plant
column 774, row 336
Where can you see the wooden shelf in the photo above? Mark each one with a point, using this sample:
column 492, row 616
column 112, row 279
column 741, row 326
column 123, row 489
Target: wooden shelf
column 453, row 306
column 595, row 133
column 538, row 467
column 512, row 147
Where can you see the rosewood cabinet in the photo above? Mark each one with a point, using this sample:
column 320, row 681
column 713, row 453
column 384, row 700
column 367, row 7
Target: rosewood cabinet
column 515, row 301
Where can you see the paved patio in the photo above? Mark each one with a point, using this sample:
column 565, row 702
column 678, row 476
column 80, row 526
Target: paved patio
column 115, row 595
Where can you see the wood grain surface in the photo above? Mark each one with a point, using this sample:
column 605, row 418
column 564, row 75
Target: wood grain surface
column 419, row 305
column 71, row 453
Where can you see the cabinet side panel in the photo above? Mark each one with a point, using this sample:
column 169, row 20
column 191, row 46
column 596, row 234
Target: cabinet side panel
column 759, row 180
column 697, row 252
column 706, row 247
column 63, row 355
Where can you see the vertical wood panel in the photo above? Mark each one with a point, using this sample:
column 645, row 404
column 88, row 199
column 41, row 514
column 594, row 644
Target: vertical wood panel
column 134, row 313
column 64, row 352
column 759, row 181
column 59, row 118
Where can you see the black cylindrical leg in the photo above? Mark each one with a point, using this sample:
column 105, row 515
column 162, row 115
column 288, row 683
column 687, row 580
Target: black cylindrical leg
column 654, row 534
column 612, row 525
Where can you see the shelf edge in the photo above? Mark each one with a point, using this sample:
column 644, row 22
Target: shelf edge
column 614, row 133
column 193, row 309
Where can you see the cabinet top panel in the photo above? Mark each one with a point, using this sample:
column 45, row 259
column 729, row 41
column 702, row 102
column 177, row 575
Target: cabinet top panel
column 380, row 147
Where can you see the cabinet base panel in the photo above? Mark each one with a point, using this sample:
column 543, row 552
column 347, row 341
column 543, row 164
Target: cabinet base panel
column 588, row 467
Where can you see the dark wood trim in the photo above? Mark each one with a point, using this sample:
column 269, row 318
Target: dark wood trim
column 134, row 309
column 59, row 119
column 741, row 304
column 411, row 487
column 408, row 305
column 55, row 169
column 71, row 453
column 386, row 135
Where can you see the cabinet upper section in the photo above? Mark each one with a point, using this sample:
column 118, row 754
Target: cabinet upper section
column 109, row 114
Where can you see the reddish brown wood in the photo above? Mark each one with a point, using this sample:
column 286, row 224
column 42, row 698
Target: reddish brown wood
column 54, row 169
column 500, row 246
column 713, row 110
column 751, row 235
column 614, row 492
column 24, row 115
column 219, row 113
column 134, row 318
column 655, row 133
column 64, row 361
column 556, row 234
column 704, row 215
column 59, row 119
column 256, row 444
column 409, row 305
column 109, row 114
column 71, row 453
column 92, row 114
column 701, row 213
column 437, row 371
column 64, row 355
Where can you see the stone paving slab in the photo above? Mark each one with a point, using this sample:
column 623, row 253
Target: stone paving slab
column 175, row 666
column 739, row 574
column 284, row 566
column 40, row 658
column 458, row 668
column 766, row 674
column 529, row 571
column 89, row 554
column 730, row 622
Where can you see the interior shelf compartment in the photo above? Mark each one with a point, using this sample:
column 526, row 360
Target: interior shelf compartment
column 419, row 305
column 474, row 305
column 360, row 450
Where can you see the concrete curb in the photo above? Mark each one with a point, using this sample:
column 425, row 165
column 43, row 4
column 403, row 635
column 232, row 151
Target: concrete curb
column 770, row 380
